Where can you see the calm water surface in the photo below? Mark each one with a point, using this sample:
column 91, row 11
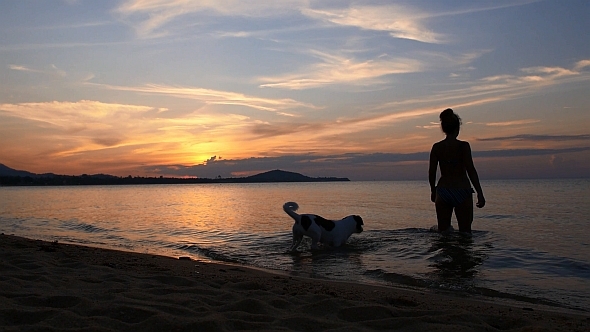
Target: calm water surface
column 529, row 244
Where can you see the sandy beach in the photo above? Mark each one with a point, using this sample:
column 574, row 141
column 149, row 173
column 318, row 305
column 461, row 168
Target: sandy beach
column 48, row 286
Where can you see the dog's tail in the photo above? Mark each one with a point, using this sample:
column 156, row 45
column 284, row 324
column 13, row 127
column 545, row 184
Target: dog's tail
column 290, row 208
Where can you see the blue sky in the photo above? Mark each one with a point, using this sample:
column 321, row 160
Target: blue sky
column 324, row 88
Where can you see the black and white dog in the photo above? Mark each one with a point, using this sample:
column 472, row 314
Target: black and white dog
column 330, row 232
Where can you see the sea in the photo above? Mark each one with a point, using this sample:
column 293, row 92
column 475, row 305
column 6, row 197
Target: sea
column 530, row 243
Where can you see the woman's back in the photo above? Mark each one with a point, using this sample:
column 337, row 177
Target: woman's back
column 453, row 158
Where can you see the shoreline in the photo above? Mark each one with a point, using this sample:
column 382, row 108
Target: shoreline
column 54, row 286
column 478, row 293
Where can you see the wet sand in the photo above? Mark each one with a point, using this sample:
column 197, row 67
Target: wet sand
column 48, row 286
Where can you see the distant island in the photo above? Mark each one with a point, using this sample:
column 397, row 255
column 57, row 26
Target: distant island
column 12, row 177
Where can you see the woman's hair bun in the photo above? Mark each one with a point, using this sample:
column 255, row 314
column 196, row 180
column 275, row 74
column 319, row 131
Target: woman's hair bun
column 449, row 121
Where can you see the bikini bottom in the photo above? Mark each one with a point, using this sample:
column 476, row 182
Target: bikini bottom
column 454, row 196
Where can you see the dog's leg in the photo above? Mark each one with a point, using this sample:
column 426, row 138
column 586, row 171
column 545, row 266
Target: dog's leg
column 315, row 240
column 297, row 238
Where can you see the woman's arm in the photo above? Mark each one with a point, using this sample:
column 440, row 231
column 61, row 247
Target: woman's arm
column 432, row 174
column 473, row 176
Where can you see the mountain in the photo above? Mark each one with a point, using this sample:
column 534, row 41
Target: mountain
column 7, row 171
column 285, row 176
column 278, row 176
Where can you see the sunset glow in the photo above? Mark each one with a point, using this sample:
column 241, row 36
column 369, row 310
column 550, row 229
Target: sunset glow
column 351, row 89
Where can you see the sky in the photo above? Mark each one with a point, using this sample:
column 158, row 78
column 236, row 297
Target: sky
column 341, row 88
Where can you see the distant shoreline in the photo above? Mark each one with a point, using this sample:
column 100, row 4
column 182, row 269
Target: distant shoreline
column 63, row 180
column 102, row 179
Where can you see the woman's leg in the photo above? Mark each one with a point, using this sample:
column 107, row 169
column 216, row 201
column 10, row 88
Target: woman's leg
column 464, row 214
column 444, row 212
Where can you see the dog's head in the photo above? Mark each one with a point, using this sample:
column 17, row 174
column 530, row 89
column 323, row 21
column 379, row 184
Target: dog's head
column 359, row 223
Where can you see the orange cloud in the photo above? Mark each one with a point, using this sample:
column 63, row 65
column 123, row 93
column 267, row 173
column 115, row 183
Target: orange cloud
column 512, row 123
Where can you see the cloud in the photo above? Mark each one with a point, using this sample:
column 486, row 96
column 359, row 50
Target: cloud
column 190, row 145
column 108, row 141
column 88, row 126
column 21, row 68
column 526, row 152
column 337, row 69
column 230, row 167
column 150, row 16
column 333, row 165
column 211, row 160
column 333, row 135
column 215, row 97
column 62, row 129
column 497, row 88
column 533, row 77
column 54, row 71
column 329, row 131
column 68, row 114
column 548, row 72
column 399, row 21
column 580, row 65
column 345, row 67
column 538, row 138
column 342, row 68
column 92, row 130
column 512, row 123
column 432, row 125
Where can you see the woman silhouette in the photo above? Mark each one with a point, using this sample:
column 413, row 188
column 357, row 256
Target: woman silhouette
column 453, row 191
